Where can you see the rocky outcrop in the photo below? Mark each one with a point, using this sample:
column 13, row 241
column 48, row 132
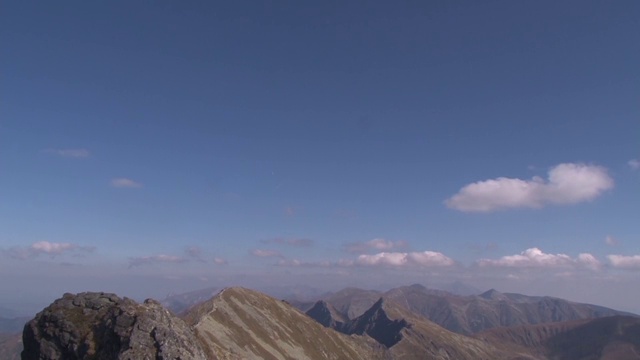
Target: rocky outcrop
column 104, row 326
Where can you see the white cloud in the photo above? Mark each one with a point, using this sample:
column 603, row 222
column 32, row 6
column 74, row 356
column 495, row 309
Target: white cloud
column 625, row 262
column 125, row 183
column 589, row 261
column 634, row 164
column 567, row 183
column 45, row 248
column 265, row 253
column 70, row 153
column 297, row 242
column 610, row 240
column 375, row 244
column 536, row 258
column 399, row 259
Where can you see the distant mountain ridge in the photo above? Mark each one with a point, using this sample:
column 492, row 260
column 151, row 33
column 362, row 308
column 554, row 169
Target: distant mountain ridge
column 467, row 314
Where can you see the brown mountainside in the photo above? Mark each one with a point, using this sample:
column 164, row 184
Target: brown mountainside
column 244, row 324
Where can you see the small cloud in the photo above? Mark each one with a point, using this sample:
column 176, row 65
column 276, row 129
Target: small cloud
column 610, row 240
column 51, row 249
column 536, row 258
column 220, row 261
column 634, row 164
column 265, row 253
column 70, row 153
column 375, row 244
column 625, row 262
column 399, row 259
column 290, row 211
column 566, row 184
column 125, row 183
column 296, row 242
column 195, row 253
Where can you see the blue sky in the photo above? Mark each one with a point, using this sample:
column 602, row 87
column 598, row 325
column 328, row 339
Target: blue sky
column 147, row 147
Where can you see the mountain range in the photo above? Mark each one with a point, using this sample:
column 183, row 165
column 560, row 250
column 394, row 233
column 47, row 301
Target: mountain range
column 411, row 322
column 462, row 314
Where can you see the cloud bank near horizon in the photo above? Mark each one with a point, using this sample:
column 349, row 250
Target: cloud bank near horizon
column 51, row 249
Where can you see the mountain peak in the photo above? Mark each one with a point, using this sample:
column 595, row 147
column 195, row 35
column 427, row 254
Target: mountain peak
column 493, row 294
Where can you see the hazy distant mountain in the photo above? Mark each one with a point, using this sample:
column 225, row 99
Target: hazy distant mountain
column 12, row 325
column 181, row 302
column 469, row 314
column 352, row 302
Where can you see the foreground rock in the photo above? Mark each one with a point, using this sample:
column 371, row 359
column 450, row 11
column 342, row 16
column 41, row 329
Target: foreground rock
column 104, row 326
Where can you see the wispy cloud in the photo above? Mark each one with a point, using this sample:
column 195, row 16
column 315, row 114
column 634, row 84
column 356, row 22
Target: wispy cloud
column 46, row 248
column 191, row 254
column 125, row 183
column 536, row 258
column 625, row 262
column 375, row 245
column 301, row 263
column 402, row 259
column 154, row 259
column 290, row 211
column 69, row 153
column 567, row 183
column 610, row 240
column 296, row 242
column 265, row 253
column 634, row 164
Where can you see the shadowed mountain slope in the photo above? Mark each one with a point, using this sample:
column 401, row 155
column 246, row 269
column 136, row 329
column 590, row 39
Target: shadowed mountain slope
column 607, row 338
column 408, row 336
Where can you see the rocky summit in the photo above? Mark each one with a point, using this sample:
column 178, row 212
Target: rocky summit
column 105, row 326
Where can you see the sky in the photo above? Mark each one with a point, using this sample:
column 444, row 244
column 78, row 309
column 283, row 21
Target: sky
column 156, row 147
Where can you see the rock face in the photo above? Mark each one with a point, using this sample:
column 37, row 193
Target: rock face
column 104, row 326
